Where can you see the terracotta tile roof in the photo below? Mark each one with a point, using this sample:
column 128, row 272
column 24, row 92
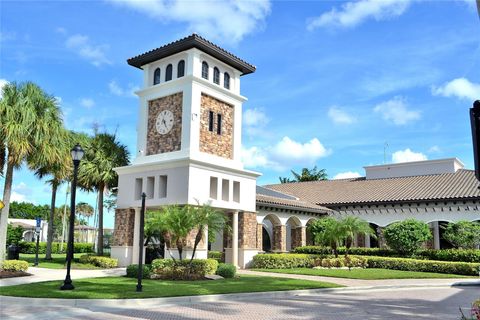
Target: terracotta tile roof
column 447, row 186
column 290, row 204
column 192, row 41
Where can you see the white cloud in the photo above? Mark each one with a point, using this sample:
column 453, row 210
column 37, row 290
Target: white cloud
column 396, row 111
column 284, row 154
column 15, row 196
column 95, row 54
column 407, row 155
column 254, row 121
column 339, row 116
column 346, row 175
column 117, row 90
column 290, row 151
column 227, row 20
column 461, row 88
column 255, row 158
column 434, row 149
column 87, row 102
column 3, row 82
column 352, row 14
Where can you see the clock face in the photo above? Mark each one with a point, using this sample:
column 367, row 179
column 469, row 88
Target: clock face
column 164, row 122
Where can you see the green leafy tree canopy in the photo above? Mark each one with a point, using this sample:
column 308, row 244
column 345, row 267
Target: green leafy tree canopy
column 306, row 175
column 407, row 236
column 463, row 234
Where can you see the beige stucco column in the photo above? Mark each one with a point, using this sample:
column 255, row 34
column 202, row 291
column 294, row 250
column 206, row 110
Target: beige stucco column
column 235, row 239
column 367, row 241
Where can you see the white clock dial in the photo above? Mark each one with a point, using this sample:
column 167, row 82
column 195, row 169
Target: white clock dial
column 164, row 122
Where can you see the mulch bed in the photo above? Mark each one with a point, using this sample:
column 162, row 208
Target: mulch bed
column 12, row 274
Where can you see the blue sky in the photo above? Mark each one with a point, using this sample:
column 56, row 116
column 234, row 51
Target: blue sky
column 336, row 82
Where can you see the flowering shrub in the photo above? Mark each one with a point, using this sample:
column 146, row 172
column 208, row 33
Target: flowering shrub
column 14, row 265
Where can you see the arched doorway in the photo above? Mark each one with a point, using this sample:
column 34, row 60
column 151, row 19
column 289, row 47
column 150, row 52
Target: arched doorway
column 294, row 233
column 269, row 223
column 309, row 236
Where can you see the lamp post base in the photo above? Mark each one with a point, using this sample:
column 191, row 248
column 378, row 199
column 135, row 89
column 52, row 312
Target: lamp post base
column 67, row 285
column 139, row 288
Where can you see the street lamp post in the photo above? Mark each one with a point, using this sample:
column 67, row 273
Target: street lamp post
column 77, row 155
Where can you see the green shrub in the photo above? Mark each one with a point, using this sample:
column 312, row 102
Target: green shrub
column 226, row 270
column 14, row 265
column 283, row 261
column 132, row 271
column 98, row 261
column 464, row 255
column 463, row 268
column 14, row 234
column 349, row 261
column 30, row 247
column 184, row 269
column 463, row 234
column 407, row 236
column 217, row 255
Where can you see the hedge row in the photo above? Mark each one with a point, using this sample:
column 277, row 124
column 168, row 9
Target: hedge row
column 217, row 255
column 132, row 271
column 184, row 269
column 99, row 261
column 463, row 255
column 14, row 265
column 30, row 247
column 450, row 267
column 226, row 270
column 283, row 261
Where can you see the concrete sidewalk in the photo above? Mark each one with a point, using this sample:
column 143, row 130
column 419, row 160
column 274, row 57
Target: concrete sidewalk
column 44, row 274
column 369, row 283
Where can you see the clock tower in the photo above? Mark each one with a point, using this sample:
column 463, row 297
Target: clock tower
column 188, row 143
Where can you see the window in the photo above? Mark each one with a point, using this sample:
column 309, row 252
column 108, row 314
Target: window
column 216, row 75
column 210, row 121
column 181, row 69
column 168, row 73
column 225, row 190
column 150, row 187
column 213, row 188
column 219, row 124
column 156, row 76
column 236, row 191
column 162, row 187
column 204, row 70
column 226, row 80
column 138, row 188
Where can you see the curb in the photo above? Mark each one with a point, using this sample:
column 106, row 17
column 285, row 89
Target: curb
column 230, row 297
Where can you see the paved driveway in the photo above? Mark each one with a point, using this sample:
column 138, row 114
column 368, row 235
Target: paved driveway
column 412, row 303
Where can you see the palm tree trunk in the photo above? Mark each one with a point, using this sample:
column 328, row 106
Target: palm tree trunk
column 48, row 250
column 7, row 191
column 100, row 221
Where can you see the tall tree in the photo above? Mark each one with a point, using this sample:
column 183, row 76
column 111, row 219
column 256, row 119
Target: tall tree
column 306, row 175
column 83, row 209
column 58, row 170
column 29, row 120
column 96, row 171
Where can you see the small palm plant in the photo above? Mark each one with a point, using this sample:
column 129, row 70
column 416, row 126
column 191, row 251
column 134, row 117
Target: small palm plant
column 352, row 226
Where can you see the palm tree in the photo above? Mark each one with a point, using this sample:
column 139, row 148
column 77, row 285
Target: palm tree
column 96, row 171
column 328, row 232
column 29, row 120
column 306, row 175
column 84, row 210
column 352, row 226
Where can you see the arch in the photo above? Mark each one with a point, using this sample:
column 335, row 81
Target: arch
column 273, row 218
column 168, row 72
column 216, row 75
column 205, row 70
column 181, row 69
column 266, row 240
column 226, row 80
column 293, row 233
column 156, row 76
column 28, row 235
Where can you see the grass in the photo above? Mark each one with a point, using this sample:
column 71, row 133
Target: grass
column 365, row 274
column 57, row 262
column 124, row 288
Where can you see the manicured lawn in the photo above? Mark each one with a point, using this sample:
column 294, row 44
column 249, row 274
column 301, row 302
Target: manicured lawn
column 366, row 274
column 57, row 262
column 123, row 288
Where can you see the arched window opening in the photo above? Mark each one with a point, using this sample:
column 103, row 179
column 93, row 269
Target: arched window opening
column 181, row 69
column 226, row 81
column 156, row 76
column 204, row 70
column 168, row 73
column 216, row 75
